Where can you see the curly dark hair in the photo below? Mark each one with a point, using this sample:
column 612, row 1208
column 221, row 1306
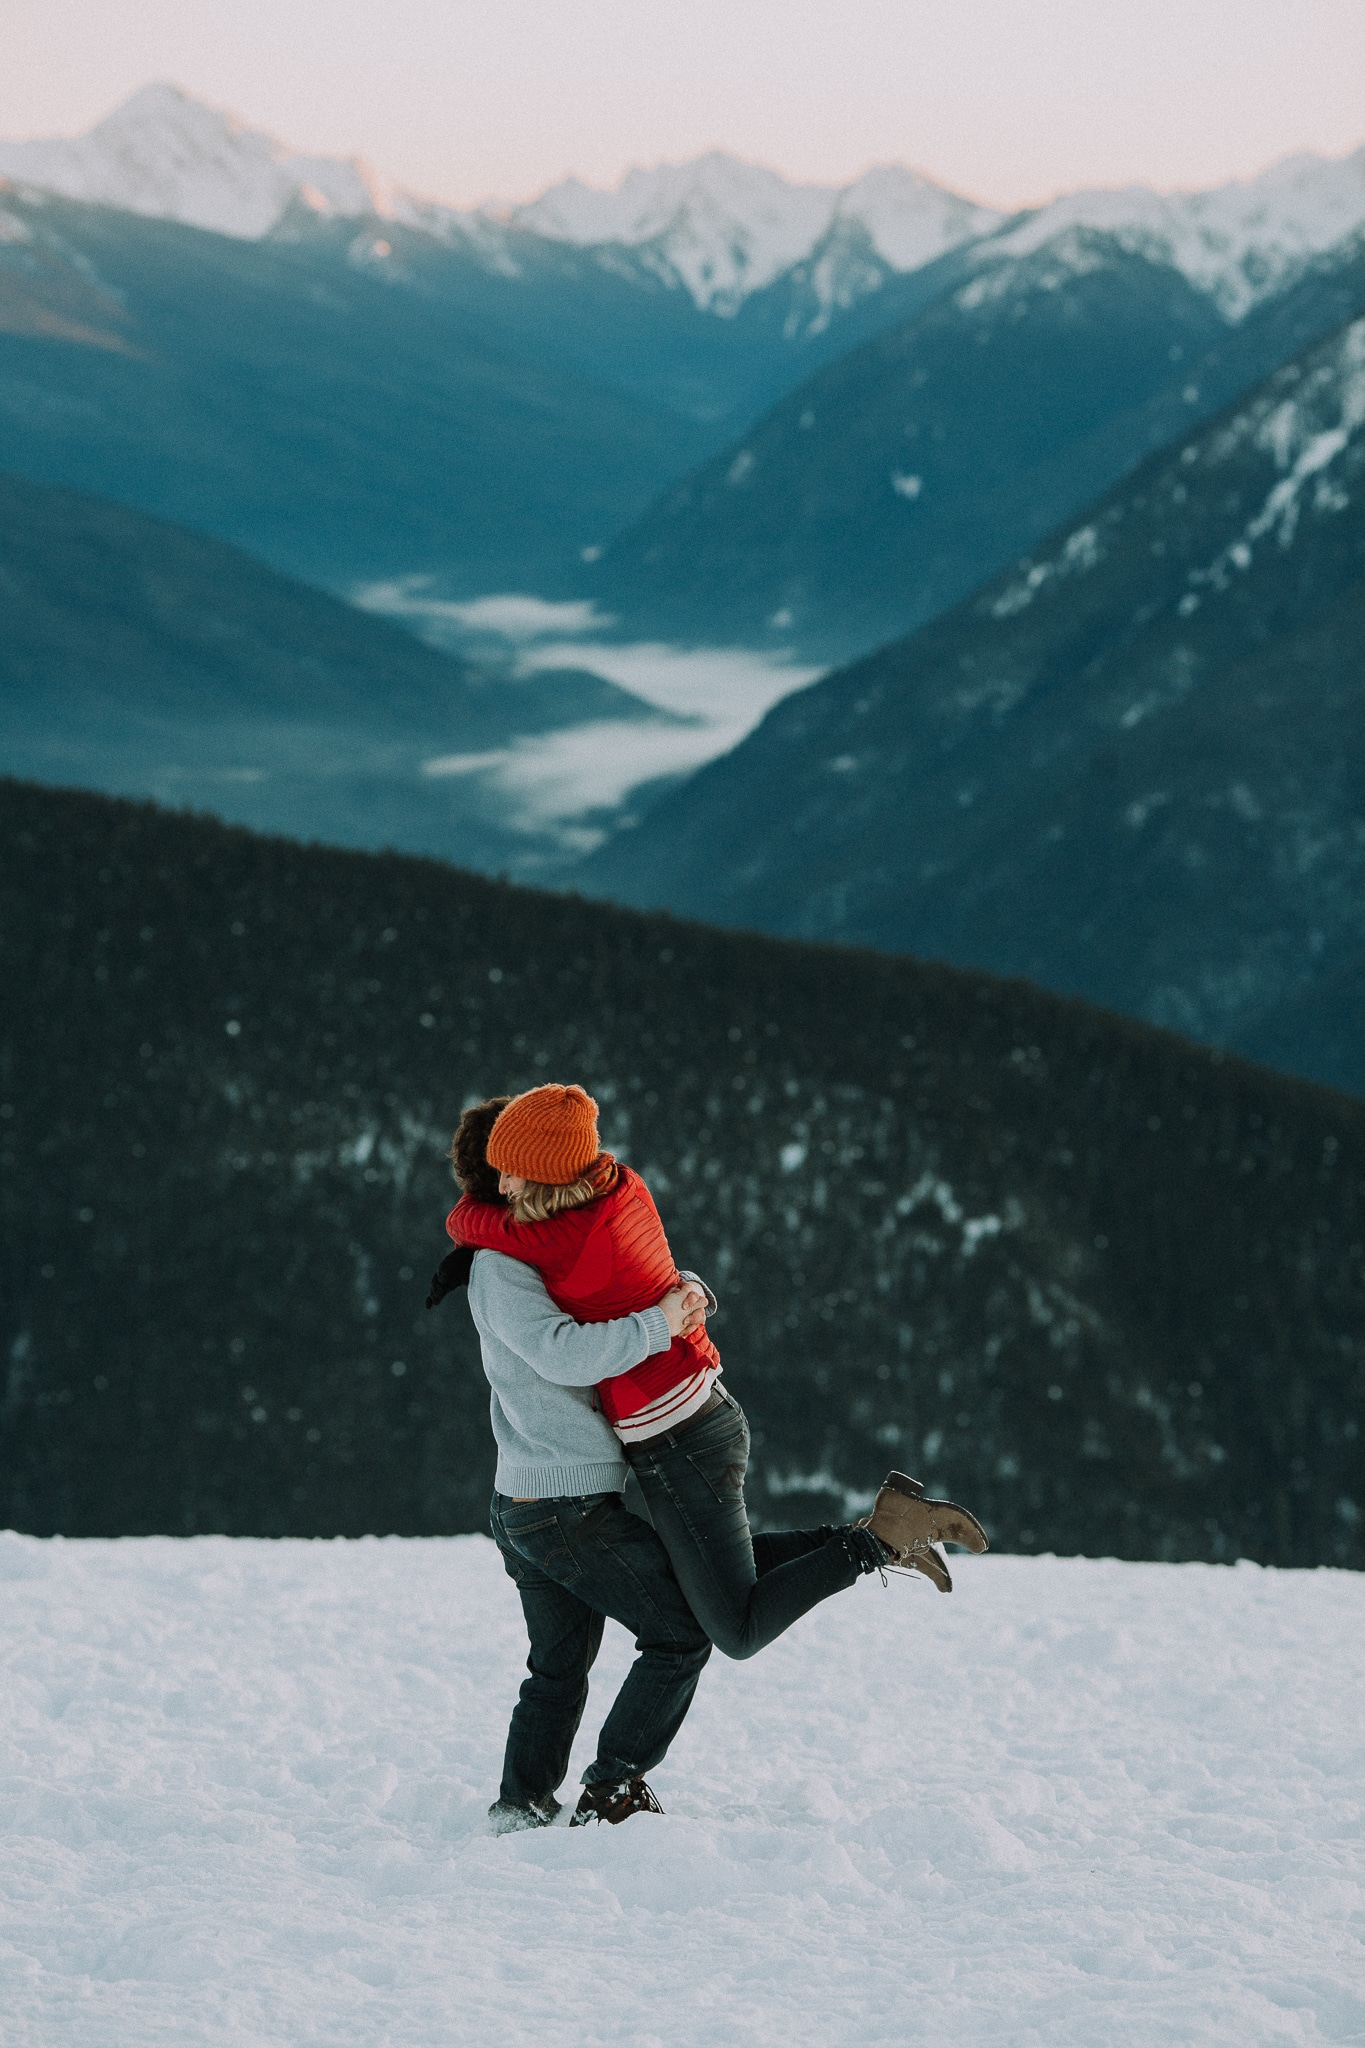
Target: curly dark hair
column 468, row 1149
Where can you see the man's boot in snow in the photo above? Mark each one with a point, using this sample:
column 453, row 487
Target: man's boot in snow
column 912, row 1527
column 508, row 1819
column 614, row 1803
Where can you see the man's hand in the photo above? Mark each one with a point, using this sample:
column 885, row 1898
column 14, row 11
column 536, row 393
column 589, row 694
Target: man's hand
column 685, row 1309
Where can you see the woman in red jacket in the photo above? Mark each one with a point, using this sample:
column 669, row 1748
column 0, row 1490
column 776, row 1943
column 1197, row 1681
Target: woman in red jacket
column 589, row 1225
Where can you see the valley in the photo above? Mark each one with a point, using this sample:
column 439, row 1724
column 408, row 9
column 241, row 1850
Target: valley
column 146, row 660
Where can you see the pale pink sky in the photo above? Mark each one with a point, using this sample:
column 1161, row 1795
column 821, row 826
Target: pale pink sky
column 1011, row 100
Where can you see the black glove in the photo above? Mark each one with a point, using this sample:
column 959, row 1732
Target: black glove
column 452, row 1272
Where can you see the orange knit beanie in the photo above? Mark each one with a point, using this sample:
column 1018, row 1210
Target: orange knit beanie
column 548, row 1135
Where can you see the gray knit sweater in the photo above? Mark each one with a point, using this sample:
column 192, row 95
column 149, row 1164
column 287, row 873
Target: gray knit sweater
column 542, row 1367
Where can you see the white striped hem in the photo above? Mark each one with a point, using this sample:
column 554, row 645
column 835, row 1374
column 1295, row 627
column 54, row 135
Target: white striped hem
column 672, row 1408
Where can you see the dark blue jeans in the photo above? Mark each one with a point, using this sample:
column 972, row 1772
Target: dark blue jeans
column 575, row 1561
column 744, row 1590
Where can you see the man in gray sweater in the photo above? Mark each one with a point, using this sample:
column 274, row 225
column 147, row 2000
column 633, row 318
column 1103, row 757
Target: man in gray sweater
column 575, row 1553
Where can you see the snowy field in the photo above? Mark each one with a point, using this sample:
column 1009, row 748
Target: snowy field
column 243, row 1792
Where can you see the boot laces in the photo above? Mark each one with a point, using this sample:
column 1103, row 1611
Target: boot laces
column 615, row 1803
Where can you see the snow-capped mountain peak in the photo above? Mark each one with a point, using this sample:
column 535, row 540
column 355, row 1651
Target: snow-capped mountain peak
column 909, row 219
column 169, row 155
column 1239, row 242
column 717, row 227
column 723, row 227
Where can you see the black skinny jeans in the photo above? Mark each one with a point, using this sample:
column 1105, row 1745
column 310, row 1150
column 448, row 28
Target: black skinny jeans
column 744, row 1590
column 574, row 1561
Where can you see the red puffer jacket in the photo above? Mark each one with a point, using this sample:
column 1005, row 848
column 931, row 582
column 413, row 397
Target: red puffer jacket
column 609, row 1258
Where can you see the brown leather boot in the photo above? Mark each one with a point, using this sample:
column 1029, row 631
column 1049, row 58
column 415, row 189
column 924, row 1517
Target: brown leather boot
column 930, row 1560
column 614, row 1803
column 912, row 1527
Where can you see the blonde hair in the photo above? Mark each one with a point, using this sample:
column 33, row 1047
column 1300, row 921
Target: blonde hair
column 539, row 1200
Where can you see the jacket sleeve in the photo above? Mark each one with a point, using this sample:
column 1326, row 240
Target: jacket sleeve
column 491, row 1226
column 511, row 1298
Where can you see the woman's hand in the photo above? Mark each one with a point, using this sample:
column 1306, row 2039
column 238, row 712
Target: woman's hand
column 685, row 1309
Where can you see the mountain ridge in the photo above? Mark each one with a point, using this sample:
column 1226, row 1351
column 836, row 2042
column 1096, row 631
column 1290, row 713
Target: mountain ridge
column 716, row 227
column 726, row 228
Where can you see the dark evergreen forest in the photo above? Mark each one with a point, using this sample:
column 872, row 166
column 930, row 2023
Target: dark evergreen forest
column 1104, row 1285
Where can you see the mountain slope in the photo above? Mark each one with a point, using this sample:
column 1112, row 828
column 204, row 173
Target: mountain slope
column 1131, row 766
column 356, row 398
column 891, row 482
column 109, row 612
column 140, row 658
column 285, row 396
column 1103, row 1284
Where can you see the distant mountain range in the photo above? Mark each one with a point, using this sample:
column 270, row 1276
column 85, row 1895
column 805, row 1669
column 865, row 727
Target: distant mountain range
column 355, row 382
column 353, row 399
column 717, row 232
column 720, row 228
column 728, row 410
column 145, row 659
column 1131, row 766
column 725, row 229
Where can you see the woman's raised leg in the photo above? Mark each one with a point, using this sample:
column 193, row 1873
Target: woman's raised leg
column 693, row 1482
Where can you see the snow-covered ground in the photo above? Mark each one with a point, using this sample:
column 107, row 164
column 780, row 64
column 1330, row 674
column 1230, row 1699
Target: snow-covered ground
column 243, row 1788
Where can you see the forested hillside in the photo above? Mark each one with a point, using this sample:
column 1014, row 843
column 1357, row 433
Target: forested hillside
column 1105, row 1285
